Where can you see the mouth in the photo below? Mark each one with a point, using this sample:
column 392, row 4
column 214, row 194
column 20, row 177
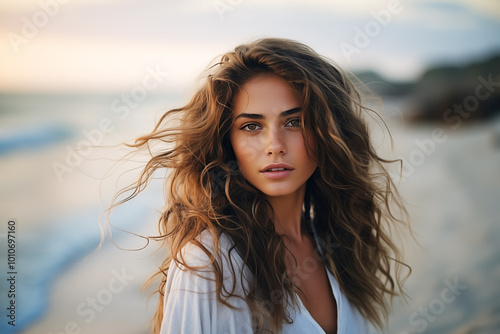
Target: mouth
column 277, row 170
column 276, row 167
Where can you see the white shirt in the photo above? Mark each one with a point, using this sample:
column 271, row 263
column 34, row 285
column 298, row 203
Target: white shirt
column 191, row 306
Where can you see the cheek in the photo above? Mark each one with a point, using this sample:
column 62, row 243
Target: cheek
column 301, row 147
column 245, row 148
column 244, row 153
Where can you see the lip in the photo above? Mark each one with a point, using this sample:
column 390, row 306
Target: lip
column 277, row 174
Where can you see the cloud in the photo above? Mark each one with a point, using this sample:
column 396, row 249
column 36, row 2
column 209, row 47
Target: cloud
column 100, row 44
column 488, row 8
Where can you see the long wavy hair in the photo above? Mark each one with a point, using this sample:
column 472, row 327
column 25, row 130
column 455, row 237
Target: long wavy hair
column 350, row 199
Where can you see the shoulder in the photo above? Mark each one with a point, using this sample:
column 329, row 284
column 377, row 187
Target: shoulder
column 199, row 253
column 191, row 303
column 199, row 260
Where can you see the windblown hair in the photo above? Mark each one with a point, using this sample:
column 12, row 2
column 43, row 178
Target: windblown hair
column 350, row 198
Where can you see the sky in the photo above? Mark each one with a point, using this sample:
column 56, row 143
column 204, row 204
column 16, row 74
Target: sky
column 109, row 45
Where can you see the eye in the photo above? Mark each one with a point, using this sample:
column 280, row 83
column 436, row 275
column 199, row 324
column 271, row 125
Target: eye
column 294, row 123
column 250, row 127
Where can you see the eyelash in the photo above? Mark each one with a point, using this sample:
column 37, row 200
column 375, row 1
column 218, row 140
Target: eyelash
column 295, row 119
column 245, row 127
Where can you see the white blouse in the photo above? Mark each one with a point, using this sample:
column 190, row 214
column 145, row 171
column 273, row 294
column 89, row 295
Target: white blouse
column 191, row 306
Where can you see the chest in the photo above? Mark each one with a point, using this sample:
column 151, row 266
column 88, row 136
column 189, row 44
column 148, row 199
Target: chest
column 311, row 279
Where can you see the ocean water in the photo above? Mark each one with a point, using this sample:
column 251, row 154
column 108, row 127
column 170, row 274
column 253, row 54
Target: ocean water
column 34, row 132
column 453, row 192
column 53, row 250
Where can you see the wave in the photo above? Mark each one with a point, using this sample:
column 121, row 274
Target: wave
column 33, row 137
column 45, row 254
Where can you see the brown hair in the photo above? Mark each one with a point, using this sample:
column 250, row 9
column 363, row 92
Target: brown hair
column 348, row 199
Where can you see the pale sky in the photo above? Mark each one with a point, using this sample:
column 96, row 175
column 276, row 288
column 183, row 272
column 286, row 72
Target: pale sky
column 109, row 45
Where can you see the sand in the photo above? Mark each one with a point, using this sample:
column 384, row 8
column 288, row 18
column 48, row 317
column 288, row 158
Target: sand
column 454, row 207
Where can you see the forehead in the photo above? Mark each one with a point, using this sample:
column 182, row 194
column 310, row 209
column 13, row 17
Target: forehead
column 265, row 94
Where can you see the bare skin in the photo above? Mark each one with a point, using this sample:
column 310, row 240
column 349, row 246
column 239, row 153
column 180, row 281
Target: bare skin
column 312, row 280
column 311, row 276
column 273, row 156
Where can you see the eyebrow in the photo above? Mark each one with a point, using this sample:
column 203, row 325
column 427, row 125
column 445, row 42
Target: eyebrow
column 260, row 116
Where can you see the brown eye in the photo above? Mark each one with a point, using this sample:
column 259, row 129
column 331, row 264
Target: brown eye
column 294, row 122
column 250, row 127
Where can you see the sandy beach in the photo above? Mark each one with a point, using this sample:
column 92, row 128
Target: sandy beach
column 452, row 192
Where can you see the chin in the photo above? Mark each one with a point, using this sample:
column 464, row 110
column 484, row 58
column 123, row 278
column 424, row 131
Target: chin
column 278, row 191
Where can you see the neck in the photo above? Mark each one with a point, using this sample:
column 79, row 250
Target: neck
column 288, row 213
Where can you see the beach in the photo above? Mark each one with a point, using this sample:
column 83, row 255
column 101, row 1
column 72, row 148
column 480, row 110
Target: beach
column 65, row 285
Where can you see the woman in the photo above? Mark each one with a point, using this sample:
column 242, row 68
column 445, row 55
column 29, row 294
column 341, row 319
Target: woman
column 277, row 203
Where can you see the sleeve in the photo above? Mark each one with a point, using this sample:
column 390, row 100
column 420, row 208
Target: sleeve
column 190, row 302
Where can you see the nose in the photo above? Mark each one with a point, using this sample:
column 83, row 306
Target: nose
column 276, row 143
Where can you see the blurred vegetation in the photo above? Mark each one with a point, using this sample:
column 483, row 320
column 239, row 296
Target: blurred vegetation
column 441, row 88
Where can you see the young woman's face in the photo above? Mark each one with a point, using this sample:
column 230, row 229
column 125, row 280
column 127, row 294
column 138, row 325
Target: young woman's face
column 267, row 139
